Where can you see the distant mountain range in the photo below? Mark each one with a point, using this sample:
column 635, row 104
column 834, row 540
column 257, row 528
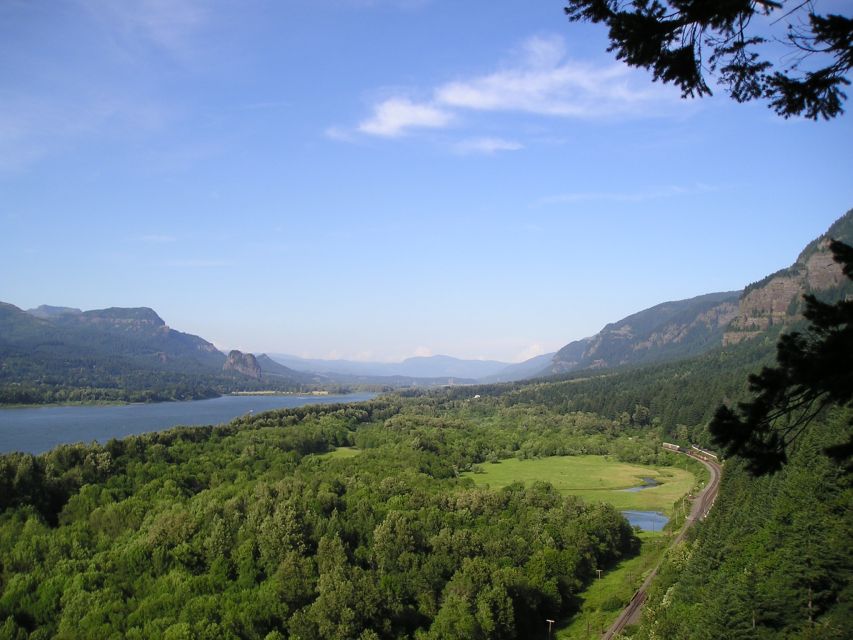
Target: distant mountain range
column 57, row 354
column 421, row 367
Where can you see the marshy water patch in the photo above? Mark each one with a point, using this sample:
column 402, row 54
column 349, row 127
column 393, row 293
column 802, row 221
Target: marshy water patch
column 646, row 520
column 648, row 483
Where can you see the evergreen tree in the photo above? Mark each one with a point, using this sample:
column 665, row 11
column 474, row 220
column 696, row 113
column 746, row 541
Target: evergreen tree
column 815, row 370
column 681, row 40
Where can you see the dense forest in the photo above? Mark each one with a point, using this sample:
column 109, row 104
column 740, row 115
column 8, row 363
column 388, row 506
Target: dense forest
column 251, row 530
column 773, row 559
column 259, row 529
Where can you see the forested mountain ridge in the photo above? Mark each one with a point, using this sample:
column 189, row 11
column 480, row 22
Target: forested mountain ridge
column 58, row 354
column 46, row 311
column 138, row 334
column 666, row 331
column 683, row 328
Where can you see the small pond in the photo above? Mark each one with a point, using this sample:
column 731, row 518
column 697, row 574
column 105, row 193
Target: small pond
column 646, row 520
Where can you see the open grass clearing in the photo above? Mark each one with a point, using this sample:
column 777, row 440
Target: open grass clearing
column 340, row 452
column 593, row 478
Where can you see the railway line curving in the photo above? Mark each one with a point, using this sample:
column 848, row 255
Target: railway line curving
column 701, row 506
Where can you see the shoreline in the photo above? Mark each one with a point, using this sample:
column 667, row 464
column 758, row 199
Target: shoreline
column 115, row 403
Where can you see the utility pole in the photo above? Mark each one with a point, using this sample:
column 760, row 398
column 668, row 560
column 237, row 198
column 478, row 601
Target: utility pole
column 550, row 622
column 598, row 571
column 811, row 619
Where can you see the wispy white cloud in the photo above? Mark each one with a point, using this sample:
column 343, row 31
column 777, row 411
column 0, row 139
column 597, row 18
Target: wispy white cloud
column 540, row 79
column 422, row 352
column 544, row 81
column 486, row 145
column 653, row 193
column 395, row 116
column 530, row 351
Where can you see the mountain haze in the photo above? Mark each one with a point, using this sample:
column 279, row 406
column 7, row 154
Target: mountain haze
column 416, row 367
column 521, row 370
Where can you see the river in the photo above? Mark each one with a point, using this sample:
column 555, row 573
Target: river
column 39, row 429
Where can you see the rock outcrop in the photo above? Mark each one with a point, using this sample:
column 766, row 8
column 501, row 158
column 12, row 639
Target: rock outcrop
column 243, row 363
column 778, row 298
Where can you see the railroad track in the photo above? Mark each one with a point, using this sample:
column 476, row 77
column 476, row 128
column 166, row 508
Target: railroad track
column 701, row 505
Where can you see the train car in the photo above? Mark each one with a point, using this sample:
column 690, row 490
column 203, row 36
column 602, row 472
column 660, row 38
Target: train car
column 671, row 447
column 704, row 453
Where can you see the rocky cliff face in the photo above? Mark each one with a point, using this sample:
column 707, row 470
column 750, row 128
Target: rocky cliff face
column 244, row 363
column 666, row 331
column 777, row 300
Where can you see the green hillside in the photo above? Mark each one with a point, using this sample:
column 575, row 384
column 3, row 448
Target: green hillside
column 62, row 355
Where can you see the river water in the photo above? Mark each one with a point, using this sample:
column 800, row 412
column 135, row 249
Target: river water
column 39, row 429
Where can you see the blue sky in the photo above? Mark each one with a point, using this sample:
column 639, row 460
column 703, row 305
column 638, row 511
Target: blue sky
column 378, row 179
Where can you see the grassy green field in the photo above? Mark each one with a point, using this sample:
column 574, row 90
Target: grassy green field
column 341, row 452
column 601, row 478
column 593, row 478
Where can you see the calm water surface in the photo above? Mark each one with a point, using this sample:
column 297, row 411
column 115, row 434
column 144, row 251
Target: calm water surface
column 39, row 429
column 646, row 520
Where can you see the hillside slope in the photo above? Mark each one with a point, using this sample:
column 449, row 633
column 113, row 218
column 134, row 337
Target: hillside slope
column 57, row 354
column 777, row 299
column 666, row 331
column 683, row 328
